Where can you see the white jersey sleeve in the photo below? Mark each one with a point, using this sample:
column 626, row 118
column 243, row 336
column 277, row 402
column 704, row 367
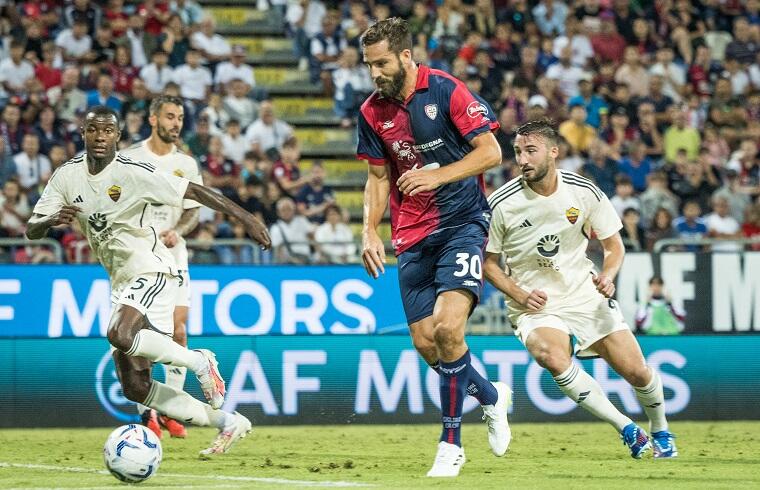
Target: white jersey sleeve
column 158, row 187
column 193, row 174
column 497, row 233
column 603, row 218
column 53, row 197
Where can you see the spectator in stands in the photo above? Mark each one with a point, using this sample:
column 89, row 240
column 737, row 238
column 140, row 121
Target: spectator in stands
column 333, row 239
column 212, row 46
column 7, row 165
column 235, row 69
column 697, row 183
column 632, row 233
column 567, row 74
column 45, row 70
column 217, row 115
column 720, row 224
column 620, row 97
column 568, row 159
column 590, row 100
column 577, row 40
column 352, row 86
column 633, row 73
column 156, row 14
column 193, row 79
column 103, row 48
column 198, row 142
column 285, row 171
column 304, row 19
column 745, row 162
column 619, row 135
column 624, row 197
column 658, row 315
column 648, row 132
column 576, row 131
column 219, row 171
column 325, row 49
column 661, row 228
column 67, row 98
column 662, row 103
column 743, row 48
column 233, row 142
column 74, row 43
column 14, row 210
column 238, row 105
column 83, row 11
column 174, row 41
column 679, row 136
column 717, row 148
column 49, row 130
column 314, row 197
column 738, row 201
column 554, row 106
column 290, row 235
column 32, row 167
column 15, row 70
column 115, row 16
column 204, row 251
column 751, row 226
column 157, row 73
column 690, row 226
column 103, row 94
column 549, row 16
column 506, row 133
column 57, row 156
column 251, row 197
column 267, row 131
column 121, row 70
column 608, row 44
column 673, row 75
column 135, row 130
column 189, row 11
column 636, row 165
column 600, row 167
column 11, row 128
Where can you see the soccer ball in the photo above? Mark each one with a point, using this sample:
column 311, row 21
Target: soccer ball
column 132, row 453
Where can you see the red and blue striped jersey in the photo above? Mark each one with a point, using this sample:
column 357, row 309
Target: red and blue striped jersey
column 432, row 127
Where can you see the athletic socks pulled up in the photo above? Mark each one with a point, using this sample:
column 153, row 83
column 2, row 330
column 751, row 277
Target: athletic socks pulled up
column 477, row 386
column 161, row 349
column 652, row 400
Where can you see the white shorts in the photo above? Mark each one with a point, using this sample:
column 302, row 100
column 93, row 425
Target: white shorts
column 154, row 294
column 587, row 321
column 183, row 295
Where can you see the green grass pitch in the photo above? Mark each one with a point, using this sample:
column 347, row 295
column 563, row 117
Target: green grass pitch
column 554, row 456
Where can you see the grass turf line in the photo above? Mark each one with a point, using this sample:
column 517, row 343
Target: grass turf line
column 570, row 455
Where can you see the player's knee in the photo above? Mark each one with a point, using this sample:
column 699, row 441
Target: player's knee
column 639, row 375
column 136, row 388
column 552, row 359
column 122, row 331
column 446, row 332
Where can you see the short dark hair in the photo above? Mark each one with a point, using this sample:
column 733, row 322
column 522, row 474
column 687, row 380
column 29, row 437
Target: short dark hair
column 541, row 127
column 395, row 30
column 656, row 280
column 101, row 110
column 158, row 102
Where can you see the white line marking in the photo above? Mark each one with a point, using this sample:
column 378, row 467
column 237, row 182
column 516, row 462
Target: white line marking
column 111, row 487
column 274, row 481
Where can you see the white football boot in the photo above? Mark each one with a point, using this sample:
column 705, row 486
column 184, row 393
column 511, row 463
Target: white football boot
column 236, row 429
column 499, row 433
column 448, row 461
column 210, row 379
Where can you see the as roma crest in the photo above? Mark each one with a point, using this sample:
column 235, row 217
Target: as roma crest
column 179, row 173
column 572, row 215
column 431, row 110
column 114, row 192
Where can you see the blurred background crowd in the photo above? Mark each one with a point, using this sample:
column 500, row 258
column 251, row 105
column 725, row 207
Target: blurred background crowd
column 656, row 102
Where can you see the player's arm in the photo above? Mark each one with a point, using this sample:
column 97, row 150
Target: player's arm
column 187, row 222
column 216, row 201
column 38, row 224
column 486, row 154
column 533, row 300
column 614, row 252
column 376, row 193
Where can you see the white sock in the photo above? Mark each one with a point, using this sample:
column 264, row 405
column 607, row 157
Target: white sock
column 175, row 376
column 182, row 407
column 161, row 349
column 586, row 392
column 652, row 400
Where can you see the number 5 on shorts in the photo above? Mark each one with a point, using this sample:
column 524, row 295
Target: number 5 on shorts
column 471, row 266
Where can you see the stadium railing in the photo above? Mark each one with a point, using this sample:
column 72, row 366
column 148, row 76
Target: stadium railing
column 683, row 242
column 53, row 245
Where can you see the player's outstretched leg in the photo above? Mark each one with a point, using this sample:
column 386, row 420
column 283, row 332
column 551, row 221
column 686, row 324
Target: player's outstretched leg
column 131, row 332
column 137, row 385
column 175, row 375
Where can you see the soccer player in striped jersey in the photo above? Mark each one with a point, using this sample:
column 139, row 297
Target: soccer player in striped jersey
column 108, row 194
column 541, row 222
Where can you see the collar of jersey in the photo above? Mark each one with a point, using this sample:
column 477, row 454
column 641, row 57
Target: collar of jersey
column 103, row 173
column 423, row 82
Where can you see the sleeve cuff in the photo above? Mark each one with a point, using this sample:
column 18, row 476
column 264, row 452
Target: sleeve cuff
column 491, row 126
column 371, row 160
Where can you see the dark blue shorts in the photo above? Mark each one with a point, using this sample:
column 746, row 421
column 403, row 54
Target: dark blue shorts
column 444, row 261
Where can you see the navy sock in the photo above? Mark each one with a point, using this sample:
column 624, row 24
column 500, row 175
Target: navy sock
column 453, row 389
column 478, row 386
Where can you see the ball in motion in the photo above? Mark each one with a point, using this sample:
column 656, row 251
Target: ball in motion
column 132, row 453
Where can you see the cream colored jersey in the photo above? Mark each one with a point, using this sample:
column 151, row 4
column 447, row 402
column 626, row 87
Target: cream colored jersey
column 544, row 238
column 114, row 203
column 163, row 217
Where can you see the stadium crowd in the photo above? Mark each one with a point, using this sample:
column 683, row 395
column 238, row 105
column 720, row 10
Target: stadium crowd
column 657, row 102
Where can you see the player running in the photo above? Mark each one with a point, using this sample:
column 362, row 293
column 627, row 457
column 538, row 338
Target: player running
column 109, row 195
column 541, row 222
column 166, row 116
column 428, row 140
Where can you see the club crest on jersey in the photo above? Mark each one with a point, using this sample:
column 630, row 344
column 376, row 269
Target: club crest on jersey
column 179, row 173
column 431, row 111
column 114, row 192
column 572, row 215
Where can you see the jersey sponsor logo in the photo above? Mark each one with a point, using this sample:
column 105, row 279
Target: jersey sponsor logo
column 548, row 246
column 476, row 109
column 572, row 215
column 403, row 151
column 179, row 173
column 97, row 221
column 387, row 125
column 429, row 146
column 431, row 111
column 114, row 192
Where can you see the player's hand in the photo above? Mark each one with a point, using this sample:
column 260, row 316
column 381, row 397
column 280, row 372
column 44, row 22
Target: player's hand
column 257, row 230
column 169, row 238
column 604, row 285
column 65, row 215
column 418, row 180
column 373, row 255
column 534, row 300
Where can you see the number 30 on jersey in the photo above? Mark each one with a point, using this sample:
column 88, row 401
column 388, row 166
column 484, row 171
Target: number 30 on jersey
column 470, row 265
